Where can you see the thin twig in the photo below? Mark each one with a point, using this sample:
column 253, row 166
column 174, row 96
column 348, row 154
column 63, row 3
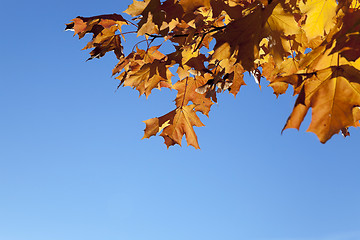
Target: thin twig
column 187, row 34
column 138, row 44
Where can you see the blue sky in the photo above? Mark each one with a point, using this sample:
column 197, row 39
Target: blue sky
column 73, row 167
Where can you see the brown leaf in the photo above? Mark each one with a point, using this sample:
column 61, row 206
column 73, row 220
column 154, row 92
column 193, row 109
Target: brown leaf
column 103, row 28
column 148, row 77
column 175, row 125
column 184, row 120
column 186, row 93
column 104, row 42
column 237, row 79
column 95, row 24
column 348, row 38
column 192, row 5
column 242, row 42
column 312, row 45
column 332, row 94
column 151, row 18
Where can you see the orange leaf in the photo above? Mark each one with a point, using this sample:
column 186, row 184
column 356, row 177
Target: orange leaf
column 149, row 76
column 175, row 125
column 186, row 93
column 83, row 25
column 332, row 94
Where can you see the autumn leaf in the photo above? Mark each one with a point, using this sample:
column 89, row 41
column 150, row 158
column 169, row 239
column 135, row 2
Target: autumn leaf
column 186, row 93
column 104, row 42
column 191, row 5
column 319, row 16
column 332, row 94
column 151, row 18
column 243, row 43
column 175, row 125
column 103, row 28
column 94, row 25
column 237, row 79
column 330, row 85
column 137, row 7
column 149, row 76
column 311, row 45
column 348, row 38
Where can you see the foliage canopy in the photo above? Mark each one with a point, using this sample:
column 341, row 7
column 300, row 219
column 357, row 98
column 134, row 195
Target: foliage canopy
column 312, row 45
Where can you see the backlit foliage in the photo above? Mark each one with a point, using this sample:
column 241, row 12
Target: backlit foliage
column 312, row 45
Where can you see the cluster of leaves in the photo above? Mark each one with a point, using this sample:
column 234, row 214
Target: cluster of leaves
column 312, row 45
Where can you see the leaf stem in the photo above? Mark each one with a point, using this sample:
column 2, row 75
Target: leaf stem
column 186, row 84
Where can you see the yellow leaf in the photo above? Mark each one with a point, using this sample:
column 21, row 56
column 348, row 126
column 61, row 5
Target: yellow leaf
column 149, row 27
column 355, row 4
column 137, row 7
column 320, row 16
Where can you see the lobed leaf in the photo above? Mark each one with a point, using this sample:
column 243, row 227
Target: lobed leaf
column 175, row 125
column 312, row 45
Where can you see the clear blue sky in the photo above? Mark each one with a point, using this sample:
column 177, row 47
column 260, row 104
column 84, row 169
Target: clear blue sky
column 73, row 167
